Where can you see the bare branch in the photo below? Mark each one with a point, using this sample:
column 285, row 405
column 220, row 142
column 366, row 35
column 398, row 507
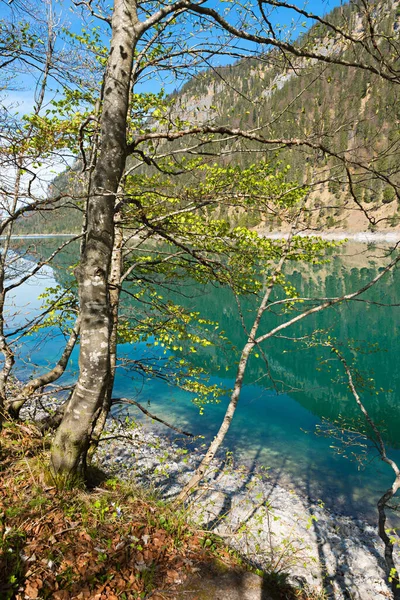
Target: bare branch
column 151, row 415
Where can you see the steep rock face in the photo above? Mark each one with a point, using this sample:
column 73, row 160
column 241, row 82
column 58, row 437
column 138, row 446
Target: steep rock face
column 258, row 80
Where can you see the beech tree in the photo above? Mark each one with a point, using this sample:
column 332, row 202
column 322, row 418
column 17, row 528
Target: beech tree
column 122, row 198
column 72, row 439
column 144, row 38
column 130, row 25
column 135, row 30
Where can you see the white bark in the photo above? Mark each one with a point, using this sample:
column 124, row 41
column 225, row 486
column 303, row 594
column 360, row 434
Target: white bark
column 69, row 450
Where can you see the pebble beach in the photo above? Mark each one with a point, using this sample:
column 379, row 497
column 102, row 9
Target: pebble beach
column 275, row 527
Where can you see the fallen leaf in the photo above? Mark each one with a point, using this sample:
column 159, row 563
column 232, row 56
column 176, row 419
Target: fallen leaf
column 31, row 591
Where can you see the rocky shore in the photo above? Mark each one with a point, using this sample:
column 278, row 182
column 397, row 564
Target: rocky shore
column 276, row 528
column 362, row 237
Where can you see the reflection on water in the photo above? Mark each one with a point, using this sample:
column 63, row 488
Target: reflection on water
column 278, row 413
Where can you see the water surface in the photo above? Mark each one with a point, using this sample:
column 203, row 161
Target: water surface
column 281, row 406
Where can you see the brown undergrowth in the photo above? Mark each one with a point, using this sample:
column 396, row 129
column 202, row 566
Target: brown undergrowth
column 111, row 542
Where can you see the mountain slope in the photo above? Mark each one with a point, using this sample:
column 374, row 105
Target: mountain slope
column 351, row 112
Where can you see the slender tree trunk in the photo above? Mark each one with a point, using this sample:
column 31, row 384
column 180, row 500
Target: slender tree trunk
column 244, row 358
column 70, row 446
column 230, row 411
column 5, row 348
column 29, row 389
column 382, row 504
column 392, row 571
column 7, row 353
column 51, row 422
column 20, row 162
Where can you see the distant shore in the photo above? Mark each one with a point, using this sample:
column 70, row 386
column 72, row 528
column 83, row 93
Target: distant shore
column 26, row 236
column 36, row 235
column 363, row 237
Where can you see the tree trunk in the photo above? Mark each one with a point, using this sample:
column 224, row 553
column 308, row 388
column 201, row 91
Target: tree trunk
column 69, row 450
column 115, row 292
column 5, row 349
column 21, row 161
column 393, row 573
column 51, row 422
column 382, row 504
column 201, row 470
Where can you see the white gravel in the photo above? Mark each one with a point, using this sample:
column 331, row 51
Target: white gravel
column 274, row 527
column 363, row 237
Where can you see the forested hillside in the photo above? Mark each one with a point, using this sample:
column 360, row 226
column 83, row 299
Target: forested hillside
column 353, row 112
column 350, row 111
column 63, row 216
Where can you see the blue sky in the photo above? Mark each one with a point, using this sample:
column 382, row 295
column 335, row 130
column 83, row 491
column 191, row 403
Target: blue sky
column 25, row 84
column 21, row 96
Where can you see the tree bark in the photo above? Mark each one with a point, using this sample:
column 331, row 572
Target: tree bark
column 51, row 422
column 114, row 295
column 383, row 502
column 201, row 470
column 5, row 348
column 392, row 571
column 70, row 446
column 7, row 226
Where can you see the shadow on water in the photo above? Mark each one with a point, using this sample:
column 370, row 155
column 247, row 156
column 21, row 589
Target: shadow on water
column 269, row 432
column 268, row 426
column 230, row 503
column 215, row 580
column 337, row 567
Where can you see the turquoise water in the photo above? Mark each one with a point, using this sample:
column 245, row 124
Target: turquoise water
column 277, row 415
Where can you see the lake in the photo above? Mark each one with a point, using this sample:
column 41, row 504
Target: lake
column 280, row 408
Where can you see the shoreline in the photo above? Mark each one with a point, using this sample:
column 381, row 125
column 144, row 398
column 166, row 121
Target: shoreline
column 361, row 237
column 258, row 516
column 338, row 506
column 27, row 236
column 275, row 528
